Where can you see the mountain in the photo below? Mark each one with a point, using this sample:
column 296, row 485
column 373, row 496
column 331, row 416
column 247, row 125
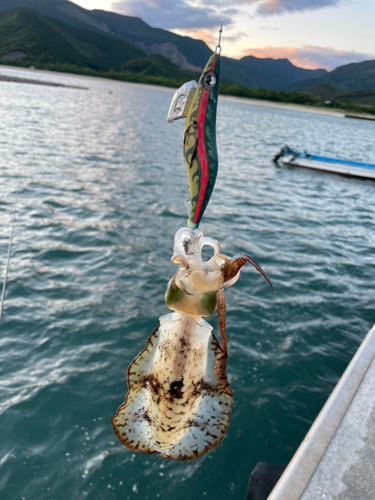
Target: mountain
column 277, row 73
column 47, row 40
column 185, row 52
column 35, row 39
column 354, row 76
column 350, row 100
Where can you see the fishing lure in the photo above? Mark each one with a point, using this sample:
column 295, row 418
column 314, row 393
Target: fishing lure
column 199, row 104
column 179, row 400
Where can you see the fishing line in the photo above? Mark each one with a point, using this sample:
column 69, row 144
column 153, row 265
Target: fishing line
column 8, row 258
column 218, row 46
column 224, row 6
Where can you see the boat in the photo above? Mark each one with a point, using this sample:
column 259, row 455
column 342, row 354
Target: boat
column 324, row 164
column 335, row 459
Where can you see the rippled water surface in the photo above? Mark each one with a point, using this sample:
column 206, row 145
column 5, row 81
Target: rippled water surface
column 101, row 189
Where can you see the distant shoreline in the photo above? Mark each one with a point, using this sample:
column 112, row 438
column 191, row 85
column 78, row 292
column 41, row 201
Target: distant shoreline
column 285, row 105
column 15, row 79
column 258, row 102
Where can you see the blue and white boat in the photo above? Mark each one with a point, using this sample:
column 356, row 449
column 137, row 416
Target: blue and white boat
column 324, row 164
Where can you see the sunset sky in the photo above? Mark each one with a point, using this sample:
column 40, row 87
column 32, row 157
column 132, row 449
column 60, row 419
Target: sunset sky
column 310, row 33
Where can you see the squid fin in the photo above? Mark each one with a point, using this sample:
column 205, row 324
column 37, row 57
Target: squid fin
column 179, row 400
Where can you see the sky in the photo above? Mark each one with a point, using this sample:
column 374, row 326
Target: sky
column 310, row 33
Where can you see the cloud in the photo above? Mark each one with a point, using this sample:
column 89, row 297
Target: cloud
column 210, row 37
column 311, row 57
column 235, row 38
column 206, row 14
column 173, row 14
column 272, row 7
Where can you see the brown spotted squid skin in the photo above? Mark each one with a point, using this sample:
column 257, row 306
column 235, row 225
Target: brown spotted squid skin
column 179, row 400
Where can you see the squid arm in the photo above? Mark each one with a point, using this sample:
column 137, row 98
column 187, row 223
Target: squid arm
column 177, row 279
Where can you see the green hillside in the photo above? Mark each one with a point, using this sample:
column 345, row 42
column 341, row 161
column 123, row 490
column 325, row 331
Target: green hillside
column 353, row 100
column 324, row 92
column 277, row 73
column 183, row 51
column 364, row 98
column 45, row 41
column 186, row 52
column 354, row 76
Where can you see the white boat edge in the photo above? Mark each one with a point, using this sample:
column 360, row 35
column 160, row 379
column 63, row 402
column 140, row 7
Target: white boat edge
column 300, row 469
column 335, row 168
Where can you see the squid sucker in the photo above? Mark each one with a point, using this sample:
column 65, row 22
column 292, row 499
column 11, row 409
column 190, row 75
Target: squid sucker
column 179, row 400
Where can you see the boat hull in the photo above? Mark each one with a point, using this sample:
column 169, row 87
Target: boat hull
column 335, row 167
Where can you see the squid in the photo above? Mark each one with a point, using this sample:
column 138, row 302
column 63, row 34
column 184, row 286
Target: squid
column 179, row 400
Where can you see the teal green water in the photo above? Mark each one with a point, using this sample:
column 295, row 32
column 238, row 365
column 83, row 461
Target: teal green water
column 102, row 185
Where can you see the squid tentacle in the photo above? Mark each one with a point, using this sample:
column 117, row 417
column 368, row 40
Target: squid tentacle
column 221, row 311
column 236, row 263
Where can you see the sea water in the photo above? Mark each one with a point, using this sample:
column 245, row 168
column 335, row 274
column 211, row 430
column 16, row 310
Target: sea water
column 101, row 189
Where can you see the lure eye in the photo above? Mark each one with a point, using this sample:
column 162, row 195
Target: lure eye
column 209, row 80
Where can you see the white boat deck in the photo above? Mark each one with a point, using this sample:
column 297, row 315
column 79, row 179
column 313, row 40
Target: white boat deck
column 336, row 460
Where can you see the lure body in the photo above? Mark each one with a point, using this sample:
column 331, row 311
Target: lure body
column 200, row 150
column 198, row 104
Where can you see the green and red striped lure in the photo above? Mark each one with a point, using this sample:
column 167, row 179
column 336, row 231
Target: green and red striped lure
column 198, row 103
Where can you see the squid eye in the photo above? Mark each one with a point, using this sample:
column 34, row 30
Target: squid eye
column 209, row 80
